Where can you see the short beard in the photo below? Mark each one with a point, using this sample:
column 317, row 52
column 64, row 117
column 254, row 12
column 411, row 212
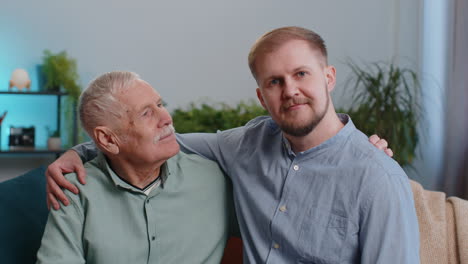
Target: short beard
column 301, row 131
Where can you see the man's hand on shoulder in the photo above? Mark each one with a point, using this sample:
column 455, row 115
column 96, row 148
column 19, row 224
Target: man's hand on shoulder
column 69, row 162
column 381, row 144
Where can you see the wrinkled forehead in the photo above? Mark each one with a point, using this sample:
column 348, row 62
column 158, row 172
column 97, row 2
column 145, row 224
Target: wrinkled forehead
column 138, row 95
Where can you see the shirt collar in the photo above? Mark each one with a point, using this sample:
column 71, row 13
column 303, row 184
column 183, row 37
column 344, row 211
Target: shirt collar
column 119, row 182
column 340, row 136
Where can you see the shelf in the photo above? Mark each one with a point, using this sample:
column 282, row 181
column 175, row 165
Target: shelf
column 32, row 151
column 44, row 150
column 34, row 93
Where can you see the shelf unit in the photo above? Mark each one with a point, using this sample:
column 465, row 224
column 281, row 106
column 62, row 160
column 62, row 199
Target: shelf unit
column 41, row 151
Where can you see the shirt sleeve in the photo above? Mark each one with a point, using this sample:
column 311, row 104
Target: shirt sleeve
column 389, row 228
column 204, row 144
column 87, row 151
column 61, row 242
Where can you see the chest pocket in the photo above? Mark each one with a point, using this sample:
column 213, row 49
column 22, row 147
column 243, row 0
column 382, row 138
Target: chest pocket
column 322, row 236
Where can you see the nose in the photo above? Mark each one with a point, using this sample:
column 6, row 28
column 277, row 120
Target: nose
column 290, row 88
column 165, row 118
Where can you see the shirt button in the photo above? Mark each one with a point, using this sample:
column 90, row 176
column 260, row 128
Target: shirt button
column 147, row 201
column 296, row 167
column 276, row 246
column 153, row 238
column 283, row 208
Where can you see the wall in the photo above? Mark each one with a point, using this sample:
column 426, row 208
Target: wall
column 195, row 50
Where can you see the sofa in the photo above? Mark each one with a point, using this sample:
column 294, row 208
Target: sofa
column 443, row 223
column 23, row 216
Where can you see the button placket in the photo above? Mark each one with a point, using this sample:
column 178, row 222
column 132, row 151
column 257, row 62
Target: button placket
column 151, row 231
column 281, row 214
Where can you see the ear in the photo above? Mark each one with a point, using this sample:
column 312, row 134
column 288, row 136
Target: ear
column 106, row 139
column 260, row 98
column 330, row 75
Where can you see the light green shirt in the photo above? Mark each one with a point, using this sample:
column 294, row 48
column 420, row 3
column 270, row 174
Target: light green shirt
column 183, row 220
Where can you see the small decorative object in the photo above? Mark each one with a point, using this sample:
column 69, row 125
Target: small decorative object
column 54, row 142
column 20, row 79
column 21, row 138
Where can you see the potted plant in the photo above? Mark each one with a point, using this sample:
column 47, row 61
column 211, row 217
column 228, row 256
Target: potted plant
column 59, row 72
column 54, row 142
column 386, row 101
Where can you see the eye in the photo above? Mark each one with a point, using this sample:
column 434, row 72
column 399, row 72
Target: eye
column 148, row 112
column 301, row 73
column 160, row 105
column 274, row 82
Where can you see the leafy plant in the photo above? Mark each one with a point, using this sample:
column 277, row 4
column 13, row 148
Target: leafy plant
column 60, row 71
column 386, row 101
column 52, row 133
column 56, row 133
column 210, row 118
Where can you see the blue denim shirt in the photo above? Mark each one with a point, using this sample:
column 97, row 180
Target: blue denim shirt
column 343, row 201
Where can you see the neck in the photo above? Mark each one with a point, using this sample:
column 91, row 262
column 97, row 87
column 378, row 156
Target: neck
column 139, row 175
column 328, row 127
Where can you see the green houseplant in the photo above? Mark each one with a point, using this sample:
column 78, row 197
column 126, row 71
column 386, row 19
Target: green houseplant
column 386, row 101
column 210, row 118
column 60, row 73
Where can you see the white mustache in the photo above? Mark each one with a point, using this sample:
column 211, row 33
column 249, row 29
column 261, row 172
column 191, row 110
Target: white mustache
column 166, row 131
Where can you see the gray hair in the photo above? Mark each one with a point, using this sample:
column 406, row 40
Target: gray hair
column 98, row 104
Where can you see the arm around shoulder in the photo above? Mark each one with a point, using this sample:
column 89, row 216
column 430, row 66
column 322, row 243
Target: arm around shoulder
column 68, row 162
column 203, row 144
column 87, row 151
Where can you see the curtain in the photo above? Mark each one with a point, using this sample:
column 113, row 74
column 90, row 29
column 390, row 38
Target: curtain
column 456, row 151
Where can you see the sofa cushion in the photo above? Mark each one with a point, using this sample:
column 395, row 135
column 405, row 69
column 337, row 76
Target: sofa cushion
column 23, row 215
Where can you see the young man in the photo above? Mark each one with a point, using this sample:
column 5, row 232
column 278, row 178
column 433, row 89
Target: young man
column 308, row 186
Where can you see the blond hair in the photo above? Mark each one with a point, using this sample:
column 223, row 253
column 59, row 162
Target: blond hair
column 272, row 40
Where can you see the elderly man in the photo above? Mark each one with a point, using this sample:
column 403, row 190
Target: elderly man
column 145, row 202
column 308, row 186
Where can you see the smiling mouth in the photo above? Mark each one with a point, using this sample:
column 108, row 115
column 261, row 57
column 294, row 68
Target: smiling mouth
column 166, row 136
column 295, row 103
column 293, row 107
column 167, row 132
